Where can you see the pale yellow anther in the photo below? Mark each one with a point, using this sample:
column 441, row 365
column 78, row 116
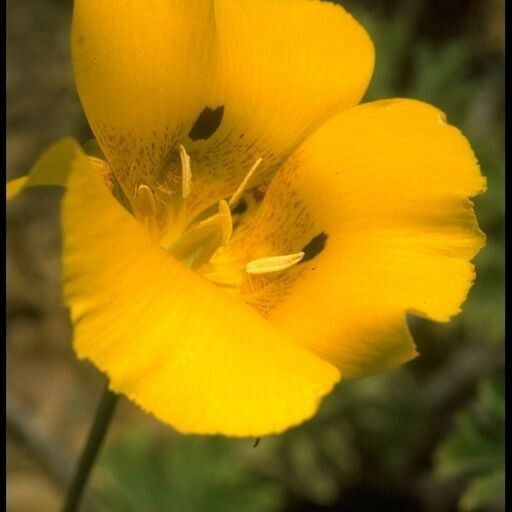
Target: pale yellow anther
column 144, row 202
column 241, row 189
column 226, row 221
column 186, row 172
column 273, row 263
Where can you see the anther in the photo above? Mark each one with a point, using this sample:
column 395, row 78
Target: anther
column 144, row 201
column 273, row 264
column 186, row 172
column 226, row 222
column 241, row 189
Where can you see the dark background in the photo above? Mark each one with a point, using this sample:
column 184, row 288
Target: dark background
column 427, row 437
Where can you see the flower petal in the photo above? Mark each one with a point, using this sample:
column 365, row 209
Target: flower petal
column 378, row 201
column 283, row 67
column 140, row 70
column 51, row 168
column 184, row 350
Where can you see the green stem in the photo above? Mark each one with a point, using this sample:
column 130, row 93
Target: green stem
column 92, row 446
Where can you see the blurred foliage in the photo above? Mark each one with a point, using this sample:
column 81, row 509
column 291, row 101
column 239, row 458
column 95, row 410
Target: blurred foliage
column 322, row 458
column 187, row 474
column 476, row 448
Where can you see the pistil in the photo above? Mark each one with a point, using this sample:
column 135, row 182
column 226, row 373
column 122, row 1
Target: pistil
column 200, row 242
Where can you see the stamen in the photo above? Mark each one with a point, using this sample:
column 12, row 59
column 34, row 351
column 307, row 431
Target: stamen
column 226, row 223
column 241, row 189
column 186, row 172
column 273, row 264
column 144, row 201
column 130, row 172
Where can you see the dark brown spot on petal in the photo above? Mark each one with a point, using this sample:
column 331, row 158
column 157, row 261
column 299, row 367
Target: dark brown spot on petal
column 207, row 123
column 258, row 193
column 240, row 208
column 314, row 247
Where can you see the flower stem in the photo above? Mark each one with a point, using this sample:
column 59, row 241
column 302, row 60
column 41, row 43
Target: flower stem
column 99, row 427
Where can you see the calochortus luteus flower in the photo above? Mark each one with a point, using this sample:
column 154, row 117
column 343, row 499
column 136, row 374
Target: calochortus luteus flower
column 241, row 234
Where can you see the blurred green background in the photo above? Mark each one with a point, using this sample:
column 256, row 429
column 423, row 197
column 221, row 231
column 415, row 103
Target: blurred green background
column 427, row 437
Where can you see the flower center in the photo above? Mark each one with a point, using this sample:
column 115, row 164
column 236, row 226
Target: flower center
column 162, row 214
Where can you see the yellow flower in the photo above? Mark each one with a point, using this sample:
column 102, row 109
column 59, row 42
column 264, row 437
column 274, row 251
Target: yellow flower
column 243, row 234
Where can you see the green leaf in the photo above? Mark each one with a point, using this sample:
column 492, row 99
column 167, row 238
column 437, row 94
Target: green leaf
column 187, row 474
column 476, row 447
column 489, row 489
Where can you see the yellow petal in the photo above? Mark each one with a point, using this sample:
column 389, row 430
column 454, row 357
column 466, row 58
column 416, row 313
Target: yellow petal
column 52, row 167
column 182, row 349
column 377, row 199
column 141, row 70
column 283, row 67
column 14, row 187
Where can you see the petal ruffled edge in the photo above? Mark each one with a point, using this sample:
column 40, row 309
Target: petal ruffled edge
column 378, row 200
